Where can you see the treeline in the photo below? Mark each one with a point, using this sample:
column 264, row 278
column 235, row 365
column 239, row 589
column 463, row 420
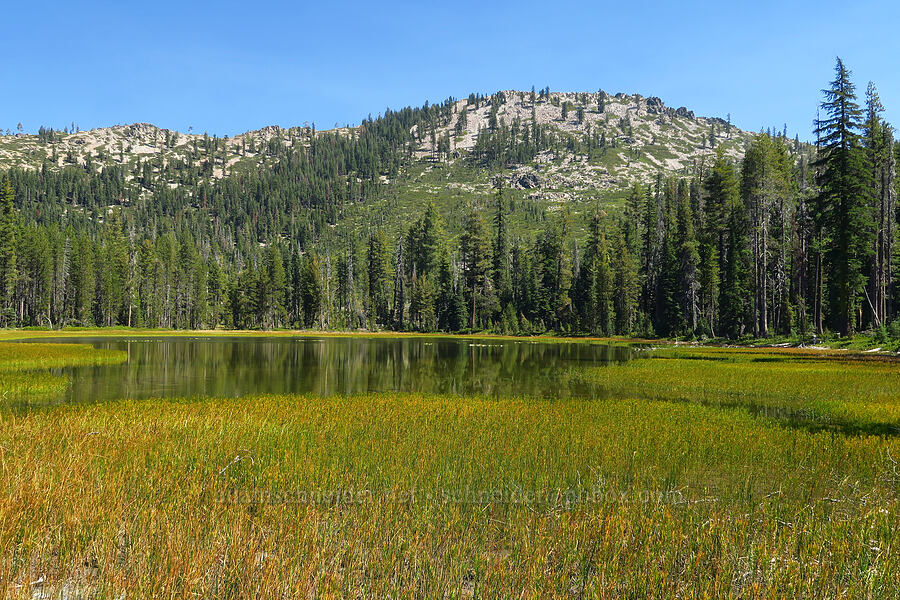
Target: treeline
column 790, row 240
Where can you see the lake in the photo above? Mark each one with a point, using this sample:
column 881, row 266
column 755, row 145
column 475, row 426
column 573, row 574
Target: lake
column 177, row 366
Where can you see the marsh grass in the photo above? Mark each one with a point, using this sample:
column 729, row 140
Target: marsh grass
column 854, row 394
column 24, row 368
column 387, row 495
column 18, row 357
column 405, row 495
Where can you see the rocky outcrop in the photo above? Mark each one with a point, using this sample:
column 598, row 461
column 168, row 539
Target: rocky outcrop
column 527, row 181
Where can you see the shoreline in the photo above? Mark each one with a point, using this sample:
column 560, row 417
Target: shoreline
column 849, row 346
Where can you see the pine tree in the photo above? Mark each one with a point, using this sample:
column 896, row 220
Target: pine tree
column 8, row 251
column 274, row 310
column 784, row 222
column 199, row 292
column 378, row 264
column 186, row 258
column 844, row 183
column 445, row 294
column 651, row 254
column 735, row 291
column 668, row 315
column 625, row 284
column 500, row 260
column 398, row 311
column 311, row 290
column 421, row 304
column 83, row 281
column 722, row 192
column 475, row 259
column 216, row 287
column 148, row 299
column 603, row 290
column 584, row 288
column 690, row 259
column 296, row 300
column 431, row 240
column 554, row 274
column 767, row 192
column 878, row 141
column 35, row 266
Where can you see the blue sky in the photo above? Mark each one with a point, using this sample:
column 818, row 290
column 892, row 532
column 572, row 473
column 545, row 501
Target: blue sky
column 226, row 67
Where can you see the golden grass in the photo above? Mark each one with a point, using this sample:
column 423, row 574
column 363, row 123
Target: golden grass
column 403, row 495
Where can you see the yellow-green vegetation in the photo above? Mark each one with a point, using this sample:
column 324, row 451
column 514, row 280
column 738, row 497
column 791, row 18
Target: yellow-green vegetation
column 853, row 393
column 23, row 367
column 18, row 356
column 403, row 495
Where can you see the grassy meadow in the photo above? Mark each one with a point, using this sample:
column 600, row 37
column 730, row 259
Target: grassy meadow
column 701, row 472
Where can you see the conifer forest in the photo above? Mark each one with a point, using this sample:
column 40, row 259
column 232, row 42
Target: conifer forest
column 788, row 238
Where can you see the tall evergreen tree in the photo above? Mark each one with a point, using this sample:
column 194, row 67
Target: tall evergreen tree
column 690, row 259
column 8, row 250
column 378, row 265
column 768, row 193
column 554, row 274
column 668, row 315
column 274, row 311
column 83, row 281
column 603, row 290
column 475, row 259
column 722, row 192
column 311, row 290
column 625, row 285
column 878, row 141
column 844, row 183
column 500, row 259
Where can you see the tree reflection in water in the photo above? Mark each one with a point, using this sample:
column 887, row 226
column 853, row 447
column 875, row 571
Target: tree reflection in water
column 225, row 366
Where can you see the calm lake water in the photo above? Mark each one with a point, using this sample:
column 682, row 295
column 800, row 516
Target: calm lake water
column 239, row 366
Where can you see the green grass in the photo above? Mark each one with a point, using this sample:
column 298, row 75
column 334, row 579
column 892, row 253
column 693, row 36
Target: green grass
column 675, row 484
column 832, row 390
column 23, row 367
column 16, row 356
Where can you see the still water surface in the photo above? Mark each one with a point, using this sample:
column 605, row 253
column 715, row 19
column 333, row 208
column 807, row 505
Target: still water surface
column 239, row 366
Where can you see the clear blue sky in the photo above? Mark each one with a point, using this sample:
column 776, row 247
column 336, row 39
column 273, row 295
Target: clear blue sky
column 226, row 67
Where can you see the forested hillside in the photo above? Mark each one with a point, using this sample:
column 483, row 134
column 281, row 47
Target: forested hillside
column 516, row 212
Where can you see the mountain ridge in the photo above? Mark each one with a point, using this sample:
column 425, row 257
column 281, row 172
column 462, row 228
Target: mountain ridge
column 643, row 133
